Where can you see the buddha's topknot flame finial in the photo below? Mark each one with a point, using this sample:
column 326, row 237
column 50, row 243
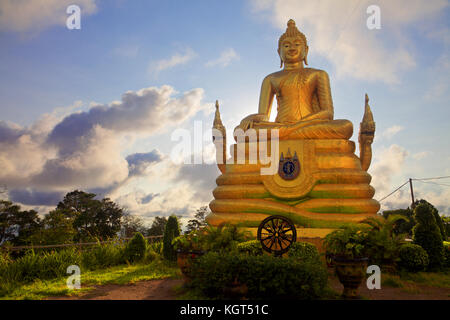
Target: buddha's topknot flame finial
column 292, row 31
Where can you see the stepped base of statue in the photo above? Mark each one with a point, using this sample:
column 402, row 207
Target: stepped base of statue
column 330, row 189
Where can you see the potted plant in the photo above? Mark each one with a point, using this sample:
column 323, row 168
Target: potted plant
column 348, row 248
column 188, row 248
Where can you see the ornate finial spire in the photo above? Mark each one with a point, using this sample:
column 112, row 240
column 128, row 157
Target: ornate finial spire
column 217, row 121
column 367, row 123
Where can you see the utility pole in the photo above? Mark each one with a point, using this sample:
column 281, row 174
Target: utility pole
column 412, row 193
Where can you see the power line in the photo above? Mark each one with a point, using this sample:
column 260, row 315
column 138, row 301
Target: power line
column 439, row 184
column 445, row 177
column 394, row 191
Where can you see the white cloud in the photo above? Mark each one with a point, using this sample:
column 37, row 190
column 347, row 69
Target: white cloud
column 37, row 15
column 225, row 58
column 421, row 155
column 175, row 60
column 337, row 30
column 84, row 150
column 391, row 131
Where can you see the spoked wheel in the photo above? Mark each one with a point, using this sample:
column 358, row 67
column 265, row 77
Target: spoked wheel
column 277, row 234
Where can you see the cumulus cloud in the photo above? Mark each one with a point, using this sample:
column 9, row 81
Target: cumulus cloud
column 225, row 58
column 337, row 30
column 391, row 131
column 177, row 59
column 37, row 15
column 82, row 150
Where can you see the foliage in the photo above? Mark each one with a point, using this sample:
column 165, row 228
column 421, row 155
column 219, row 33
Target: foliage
column 437, row 217
column 92, row 218
column 252, row 247
column 136, row 247
column 56, row 228
column 447, row 254
column 413, row 257
column 427, row 234
column 171, row 231
column 103, row 256
column 446, row 223
column 17, row 226
column 199, row 221
column 265, row 276
column 224, row 238
column 382, row 242
column 157, row 227
column 156, row 247
column 349, row 242
column 131, row 224
column 194, row 241
column 402, row 226
column 305, row 252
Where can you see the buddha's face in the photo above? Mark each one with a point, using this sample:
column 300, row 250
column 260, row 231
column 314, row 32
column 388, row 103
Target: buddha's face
column 292, row 50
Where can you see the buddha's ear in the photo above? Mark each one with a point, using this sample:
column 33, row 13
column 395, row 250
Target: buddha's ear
column 281, row 60
column 306, row 55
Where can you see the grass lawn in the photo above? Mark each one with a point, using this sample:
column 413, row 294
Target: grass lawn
column 409, row 281
column 123, row 274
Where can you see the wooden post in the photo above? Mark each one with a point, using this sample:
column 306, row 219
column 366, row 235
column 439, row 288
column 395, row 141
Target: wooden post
column 412, row 193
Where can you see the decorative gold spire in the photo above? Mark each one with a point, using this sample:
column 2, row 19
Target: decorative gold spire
column 217, row 121
column 367, row 124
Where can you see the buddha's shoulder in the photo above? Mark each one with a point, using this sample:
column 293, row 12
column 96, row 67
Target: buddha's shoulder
column 305, row 71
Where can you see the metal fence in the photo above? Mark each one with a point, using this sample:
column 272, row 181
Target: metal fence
column 151, row 239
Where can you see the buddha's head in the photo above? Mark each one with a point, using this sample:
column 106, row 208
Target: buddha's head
column 292, row 45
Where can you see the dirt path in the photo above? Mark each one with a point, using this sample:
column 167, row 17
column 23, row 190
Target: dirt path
column 164, row 290
column 142, row 290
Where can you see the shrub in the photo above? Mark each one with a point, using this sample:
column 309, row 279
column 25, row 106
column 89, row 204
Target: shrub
column 171, row 231
column 223, row 238
column 413, row 257
column 349, row 242
column 427, row 234
column 447, row 254
column 135, row 249
column 103, row 256
column 265, row 276
column 304, row 251
column 156, row 247
column 252, row 247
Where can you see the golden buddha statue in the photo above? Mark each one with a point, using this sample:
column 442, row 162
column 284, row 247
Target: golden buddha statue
column 324, row 185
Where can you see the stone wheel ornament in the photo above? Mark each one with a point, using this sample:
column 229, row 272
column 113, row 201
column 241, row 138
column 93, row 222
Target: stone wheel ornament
column 277, row 234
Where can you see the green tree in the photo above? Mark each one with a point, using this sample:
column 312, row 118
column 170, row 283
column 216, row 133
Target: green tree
column 131, row 224
column 436, row 215
column 402, row 226
column 426, row 233
column 56, row 228
column 17, row 226
column 93, row 218
column 135, row 249
column 199, row 220
column 158, row 226
column 171, row 231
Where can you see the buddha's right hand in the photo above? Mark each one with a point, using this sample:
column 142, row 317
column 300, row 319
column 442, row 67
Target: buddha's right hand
column 247, row 122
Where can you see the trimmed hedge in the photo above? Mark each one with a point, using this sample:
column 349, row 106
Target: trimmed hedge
column 413, row 258
column 171, row 231
column 135, row 249
column 304, row 251
column 265, row 276
column 426, row 234
column 252, row 247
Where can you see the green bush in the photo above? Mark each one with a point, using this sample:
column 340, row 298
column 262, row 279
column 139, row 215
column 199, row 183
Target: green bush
column 224, row 238
column 156, row 247
column 265, row 276
column 447, row 254
column 426, row 234
column 171, row 231
column 103, row 256
column 252, row 247
column 304, row 251
column 135, row 249
column 413, row 257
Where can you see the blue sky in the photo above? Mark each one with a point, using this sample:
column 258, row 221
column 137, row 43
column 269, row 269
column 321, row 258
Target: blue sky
column 207, row 50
